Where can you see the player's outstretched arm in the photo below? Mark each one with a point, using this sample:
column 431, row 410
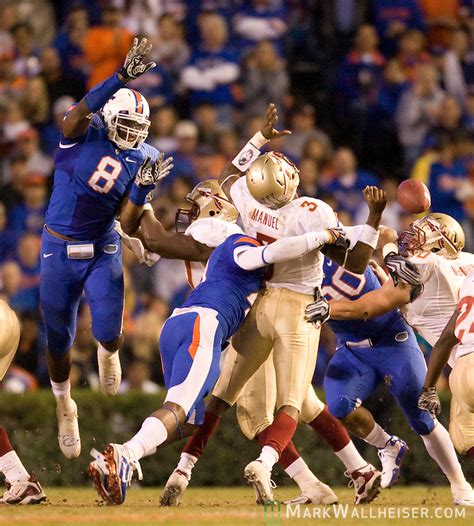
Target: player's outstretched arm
column 77, row 120
column 284, row 249
column 247, row 155
column 372, row 304
column 172, row 246
column 441, row 351
column 356, row 259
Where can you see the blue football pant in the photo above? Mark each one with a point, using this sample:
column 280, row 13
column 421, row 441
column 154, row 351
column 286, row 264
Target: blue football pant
column 190, row 346
column 63, row 280
column 353, row 375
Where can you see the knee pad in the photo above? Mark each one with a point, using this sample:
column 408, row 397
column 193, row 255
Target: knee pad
column 422, row 423
column 341, row 406
column 250, row 424
column 311, row 408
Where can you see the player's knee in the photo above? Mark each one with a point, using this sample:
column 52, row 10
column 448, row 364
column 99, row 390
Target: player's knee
column 422, row 423
column 340, row 406
column 114, row 344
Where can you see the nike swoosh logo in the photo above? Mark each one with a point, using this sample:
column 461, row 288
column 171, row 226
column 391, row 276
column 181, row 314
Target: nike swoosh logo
column 130, row 160
column 47, row 255
column 329, row 263
column 66, row 146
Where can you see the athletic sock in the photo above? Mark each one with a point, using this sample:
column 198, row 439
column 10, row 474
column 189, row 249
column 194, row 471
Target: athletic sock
column 351, row 458
column 329, row 427
column 440, row 448
column 197, row 442
column 186, row 464
column 377, row 437
column 151, row 435
column 61, row 389
column 12, row 468
column 279, row 434
column 301, row 474
column 5, row 444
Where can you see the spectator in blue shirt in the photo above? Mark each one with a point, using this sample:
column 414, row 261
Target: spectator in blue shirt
column 447, row 176
column 213, row 67
column 28, row 216
column 348, row 182
column 186, row 132
column 156, row 86
column 7, row 238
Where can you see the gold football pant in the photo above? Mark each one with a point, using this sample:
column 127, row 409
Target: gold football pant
column 461, row 382
column 275, row 322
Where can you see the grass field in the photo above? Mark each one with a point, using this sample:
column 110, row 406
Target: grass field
column 236, row 507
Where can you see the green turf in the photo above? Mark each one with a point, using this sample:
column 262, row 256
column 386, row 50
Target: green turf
column 229, row 507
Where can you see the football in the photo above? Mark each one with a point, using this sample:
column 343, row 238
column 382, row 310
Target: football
column 413, row 196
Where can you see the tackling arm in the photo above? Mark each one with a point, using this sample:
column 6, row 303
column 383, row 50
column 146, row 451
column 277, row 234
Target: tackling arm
column 441, row 351
column 375, row 303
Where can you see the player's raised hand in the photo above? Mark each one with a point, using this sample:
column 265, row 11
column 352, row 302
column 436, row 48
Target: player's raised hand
column 151, row 172
column 376, row 199
column 134, row 65
column 271, row 118
column 429, row 401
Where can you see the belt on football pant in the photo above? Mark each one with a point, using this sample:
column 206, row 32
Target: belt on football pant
column 58, row 235
column 401, row 336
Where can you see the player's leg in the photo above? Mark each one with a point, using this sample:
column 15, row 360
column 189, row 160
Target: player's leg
column 21, row 487
column 61, row 281
column 406, row 367
column 461, row 425
column 347, row 383
column 190, row 346
column 104, row 290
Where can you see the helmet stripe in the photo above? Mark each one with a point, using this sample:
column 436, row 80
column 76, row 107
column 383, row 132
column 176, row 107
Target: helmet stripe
column 138, row 101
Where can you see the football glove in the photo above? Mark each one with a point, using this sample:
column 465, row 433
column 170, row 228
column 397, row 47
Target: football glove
column 133, row 66
column 402, row 270
column 429, row 401
column 319, row 311
column 151, row 172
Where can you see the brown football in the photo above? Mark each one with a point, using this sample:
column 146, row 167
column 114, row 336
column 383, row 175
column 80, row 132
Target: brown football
column 413, row 196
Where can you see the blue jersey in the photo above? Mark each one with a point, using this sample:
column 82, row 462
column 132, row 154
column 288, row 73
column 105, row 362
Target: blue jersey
column 226, row 287
column 91, row 178
column 339, row 283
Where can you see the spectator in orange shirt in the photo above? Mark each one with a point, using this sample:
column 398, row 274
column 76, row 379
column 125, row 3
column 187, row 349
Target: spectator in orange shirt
column 441, row 17
column 106, row 46
column 412, row 52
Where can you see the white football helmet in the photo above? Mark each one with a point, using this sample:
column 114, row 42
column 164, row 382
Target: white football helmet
column 127, row 117
column 9, row 337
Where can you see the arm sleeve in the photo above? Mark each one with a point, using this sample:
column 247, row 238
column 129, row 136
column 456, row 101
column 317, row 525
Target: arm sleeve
column 250, row 257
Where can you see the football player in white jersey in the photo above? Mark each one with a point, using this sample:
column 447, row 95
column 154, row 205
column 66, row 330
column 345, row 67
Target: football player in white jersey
column 456, row 344
column 268, row 207
column 434, row 243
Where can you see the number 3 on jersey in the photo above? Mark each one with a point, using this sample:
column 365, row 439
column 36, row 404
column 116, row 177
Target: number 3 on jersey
column 105, row 175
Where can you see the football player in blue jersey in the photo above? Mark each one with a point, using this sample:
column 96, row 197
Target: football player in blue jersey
column 193, row 337
column 101, row 164
column 370, row 351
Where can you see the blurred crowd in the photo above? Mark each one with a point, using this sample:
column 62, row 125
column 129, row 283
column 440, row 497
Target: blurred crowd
column 373, row 91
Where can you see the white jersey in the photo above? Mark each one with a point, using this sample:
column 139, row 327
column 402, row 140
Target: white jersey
column 442, row 279
column 301, row 215
column 464, row 330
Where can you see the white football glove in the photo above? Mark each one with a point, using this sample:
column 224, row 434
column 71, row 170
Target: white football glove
column 133, row 66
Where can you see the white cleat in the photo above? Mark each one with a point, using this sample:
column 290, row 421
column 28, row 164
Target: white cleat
column 366, row 483
column 110, row 372
column 258, row 475
column 24, row 492
column 463, row 496
column 68, row 427
column 175, row 487
column 316, row 493
column 391, row 457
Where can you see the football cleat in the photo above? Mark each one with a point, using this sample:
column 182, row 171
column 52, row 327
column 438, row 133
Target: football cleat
column 463, row 496
column 316, row 493
column 23, row 492
column 258, row 475
column 110, row 372
column 391, row 457
column 175, row 487
column 68, row 427
column 112, row 472
column 366, row 483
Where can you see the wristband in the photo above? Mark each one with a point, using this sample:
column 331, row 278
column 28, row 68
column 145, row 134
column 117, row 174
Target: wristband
column 101, row 93
column 317, row 239
column 388, row 248
column 147, row 206
column 138, row 194
column 247, row 155
column 369, row 236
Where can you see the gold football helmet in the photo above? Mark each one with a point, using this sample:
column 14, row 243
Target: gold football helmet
column 438, row 233
column 9, row 337
column 273, row 179
column 207, row 200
